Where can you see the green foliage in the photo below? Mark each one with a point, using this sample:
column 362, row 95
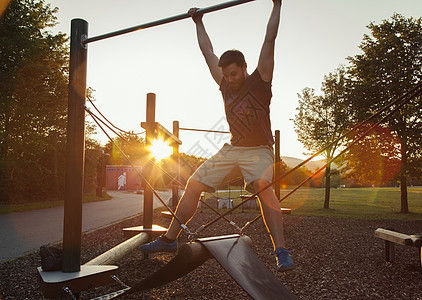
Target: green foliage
column 133, row 148
column 389, row 66
column 93, row 156
column 373, row 160
column 188, row 165
column 33, row 106
column 321, row 120
column 33, row 85
column 21, row 207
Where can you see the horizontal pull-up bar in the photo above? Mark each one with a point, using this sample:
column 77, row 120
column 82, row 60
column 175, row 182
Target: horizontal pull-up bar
column 165, row 21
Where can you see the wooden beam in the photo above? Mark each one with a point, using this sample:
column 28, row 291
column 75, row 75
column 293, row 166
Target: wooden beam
column 417, row 240
column 120, row 251
column 160, row 129
column 395, row 237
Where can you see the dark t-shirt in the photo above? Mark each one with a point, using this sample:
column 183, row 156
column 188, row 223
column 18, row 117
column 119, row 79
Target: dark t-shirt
column 248, row 111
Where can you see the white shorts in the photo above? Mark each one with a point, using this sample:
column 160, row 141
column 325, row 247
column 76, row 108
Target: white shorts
column 253, row 162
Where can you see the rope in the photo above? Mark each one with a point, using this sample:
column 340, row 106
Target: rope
column 127, row 132
column 97, row 118
column 204, row 130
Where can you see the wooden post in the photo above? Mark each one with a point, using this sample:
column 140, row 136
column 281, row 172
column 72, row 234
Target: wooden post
column 149, row 136
column 420, row 255
column 75, row 155
column 175, row 187
column 390, row 251
column 277, row 160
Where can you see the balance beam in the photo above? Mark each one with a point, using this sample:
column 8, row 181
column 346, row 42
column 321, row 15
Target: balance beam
column 121, row 250
column 234, row 254
column 196, row 251
column 392, row 237
column 238, row 259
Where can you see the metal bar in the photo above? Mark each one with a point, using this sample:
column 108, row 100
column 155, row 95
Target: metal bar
column 149, row 136
column 203, row 130
column 72, row 228
column 164, row 21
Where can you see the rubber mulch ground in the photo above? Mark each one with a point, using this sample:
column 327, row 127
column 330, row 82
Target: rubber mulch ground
column 335, row 258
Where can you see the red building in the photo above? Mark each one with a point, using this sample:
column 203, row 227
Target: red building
column 123, row 178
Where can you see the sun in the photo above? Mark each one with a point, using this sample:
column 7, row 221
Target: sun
column 160, row 149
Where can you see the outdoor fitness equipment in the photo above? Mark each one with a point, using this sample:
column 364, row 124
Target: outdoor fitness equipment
column 74, row 278
column 76, row 124
column 234, row 254
column 89, row 276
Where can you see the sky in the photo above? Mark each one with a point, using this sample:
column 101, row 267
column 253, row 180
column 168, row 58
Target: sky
column 315, row 37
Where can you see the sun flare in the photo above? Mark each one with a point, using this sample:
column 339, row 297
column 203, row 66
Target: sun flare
column 160, row 149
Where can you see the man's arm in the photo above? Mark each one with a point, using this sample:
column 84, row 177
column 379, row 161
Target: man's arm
column 206, row 47
column 266, row 57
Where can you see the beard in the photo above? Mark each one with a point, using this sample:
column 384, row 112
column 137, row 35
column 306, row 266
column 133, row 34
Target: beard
column 235, row 86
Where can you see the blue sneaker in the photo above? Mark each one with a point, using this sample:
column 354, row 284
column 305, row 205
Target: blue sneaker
column 284, row 261
column 159, row 246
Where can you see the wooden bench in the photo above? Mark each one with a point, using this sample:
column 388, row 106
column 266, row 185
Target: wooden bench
column 392, row 237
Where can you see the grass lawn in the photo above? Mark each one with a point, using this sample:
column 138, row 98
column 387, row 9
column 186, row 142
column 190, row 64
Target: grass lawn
column 351, row 203
column 358, row 203
column 355, row 203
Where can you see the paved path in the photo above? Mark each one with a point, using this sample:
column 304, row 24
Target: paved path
column 21, row 233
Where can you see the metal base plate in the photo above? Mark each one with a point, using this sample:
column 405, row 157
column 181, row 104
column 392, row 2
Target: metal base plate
column 52, row 283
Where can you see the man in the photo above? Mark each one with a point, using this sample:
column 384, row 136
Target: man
column 246, row 100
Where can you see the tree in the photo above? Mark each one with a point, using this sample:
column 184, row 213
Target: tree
column 188, row 165
column 321, row 120
column 33, row 102
column 391, row 64
column 135, row 153
column 373, row 160
column 132, row 146
column 93, row 155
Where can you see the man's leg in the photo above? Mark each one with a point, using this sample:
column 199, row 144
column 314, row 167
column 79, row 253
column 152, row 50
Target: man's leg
column 184, row 212
column 271, row 213
column 273, row 219
column 210, row 172
column 186, row 208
